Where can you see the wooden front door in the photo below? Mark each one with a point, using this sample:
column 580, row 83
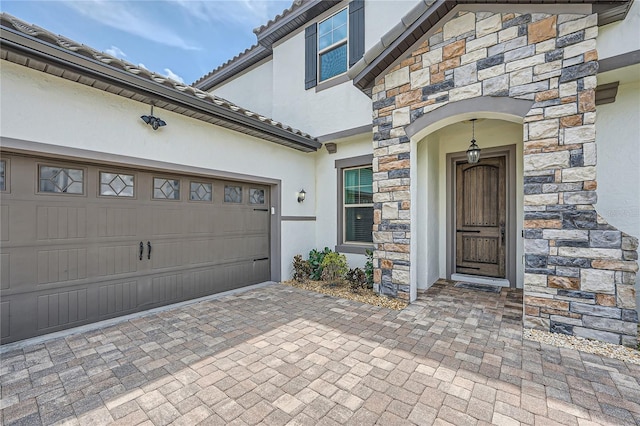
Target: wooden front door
column 481, row 217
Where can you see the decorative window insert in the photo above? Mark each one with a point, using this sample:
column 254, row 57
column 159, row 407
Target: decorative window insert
column 64, row 180
column 3, row 171
column 232, row 194
column 358, row 205
column 116, row 184
column 333, row 45
column 256, row 196
column 200, row 191
column 166, row 189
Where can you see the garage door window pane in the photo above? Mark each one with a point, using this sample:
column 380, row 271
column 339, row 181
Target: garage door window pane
column 200, row 191
column 232, row 194
column 61, row 180
column 116, row 184
column 256, row 196
column 3, row 167
column 166, row 189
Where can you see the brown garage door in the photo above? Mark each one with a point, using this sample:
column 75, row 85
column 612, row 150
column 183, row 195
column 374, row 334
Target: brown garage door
column 84, row 242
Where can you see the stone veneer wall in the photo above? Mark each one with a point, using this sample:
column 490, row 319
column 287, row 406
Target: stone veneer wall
column 580, row 271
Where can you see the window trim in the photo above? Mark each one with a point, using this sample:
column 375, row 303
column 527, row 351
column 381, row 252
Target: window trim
column 342, row 165
column 7, row 175
column 101, row 170
column 85, row 177
column 153, row 187
column 243, row 199
column 331, row 47
column 201, row 182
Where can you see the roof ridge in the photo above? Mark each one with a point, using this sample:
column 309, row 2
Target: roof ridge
column 294, row 5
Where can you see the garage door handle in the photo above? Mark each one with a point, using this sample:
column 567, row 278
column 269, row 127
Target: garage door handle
column 141, row 249
column 148, row 249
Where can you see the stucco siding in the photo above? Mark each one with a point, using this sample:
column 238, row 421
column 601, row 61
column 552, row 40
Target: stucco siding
column 619, row 175
column 327, row 199
column 620, row 37
column 318, row 113
column 252, row 89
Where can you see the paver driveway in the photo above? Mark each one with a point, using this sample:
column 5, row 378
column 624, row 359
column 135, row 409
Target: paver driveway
column 279, row 355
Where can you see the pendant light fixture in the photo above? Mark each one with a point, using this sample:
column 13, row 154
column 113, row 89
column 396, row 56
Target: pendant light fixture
column 473, row 153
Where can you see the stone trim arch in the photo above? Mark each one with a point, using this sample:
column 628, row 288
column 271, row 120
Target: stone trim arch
column 508, row 109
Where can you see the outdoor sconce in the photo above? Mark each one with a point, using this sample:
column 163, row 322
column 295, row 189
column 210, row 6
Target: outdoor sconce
column 152, row 121
column 301, row 195
column 473, row 153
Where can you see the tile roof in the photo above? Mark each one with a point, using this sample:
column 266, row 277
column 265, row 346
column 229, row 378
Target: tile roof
column 19, row 40
column 296, row 16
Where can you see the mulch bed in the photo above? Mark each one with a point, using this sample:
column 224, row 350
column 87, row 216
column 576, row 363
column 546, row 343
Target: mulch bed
column 343, row 291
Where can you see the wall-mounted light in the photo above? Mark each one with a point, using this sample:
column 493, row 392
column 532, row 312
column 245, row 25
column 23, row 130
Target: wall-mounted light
column 301, row 195
column 152, row 121
column 473, row 153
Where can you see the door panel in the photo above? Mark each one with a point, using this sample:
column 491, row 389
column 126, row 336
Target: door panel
column 69, row 260
column 481, row 217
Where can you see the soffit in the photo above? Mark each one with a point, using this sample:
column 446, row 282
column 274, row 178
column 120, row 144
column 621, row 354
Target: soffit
column 426, row 15
column 39, row 49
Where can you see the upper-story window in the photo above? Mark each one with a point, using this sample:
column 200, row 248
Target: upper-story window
column 332, row 45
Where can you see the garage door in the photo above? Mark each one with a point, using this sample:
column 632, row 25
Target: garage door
column 84, row 242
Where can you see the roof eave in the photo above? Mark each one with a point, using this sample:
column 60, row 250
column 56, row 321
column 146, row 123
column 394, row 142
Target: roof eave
column 370, row 68
column 34, row 48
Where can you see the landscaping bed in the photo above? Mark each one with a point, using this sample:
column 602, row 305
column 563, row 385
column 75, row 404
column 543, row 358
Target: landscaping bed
column 343, row 290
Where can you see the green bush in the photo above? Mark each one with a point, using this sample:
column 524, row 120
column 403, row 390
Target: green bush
column 368, row 268
column 301, row 269
column 315, row 262
column 334, row 266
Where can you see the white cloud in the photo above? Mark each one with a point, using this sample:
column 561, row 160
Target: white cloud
column 131, row 17
column 141, row 65
column 249, row 12
column 173, row 76
column 116, row 52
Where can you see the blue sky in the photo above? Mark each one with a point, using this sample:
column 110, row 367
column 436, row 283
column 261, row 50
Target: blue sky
column 182, row 39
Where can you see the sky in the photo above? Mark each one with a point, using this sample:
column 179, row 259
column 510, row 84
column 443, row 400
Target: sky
column 181, row 39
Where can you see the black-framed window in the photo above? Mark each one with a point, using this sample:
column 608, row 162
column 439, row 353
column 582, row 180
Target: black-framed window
column 334, row 44
column 355, row 204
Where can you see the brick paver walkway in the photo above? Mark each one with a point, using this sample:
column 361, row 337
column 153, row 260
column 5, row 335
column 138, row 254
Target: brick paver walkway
column 279, row 355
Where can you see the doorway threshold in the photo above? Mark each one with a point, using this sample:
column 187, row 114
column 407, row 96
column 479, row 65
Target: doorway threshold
column 475, row 279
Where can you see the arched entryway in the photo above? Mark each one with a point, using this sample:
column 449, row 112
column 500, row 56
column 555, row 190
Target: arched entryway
column 438, row 145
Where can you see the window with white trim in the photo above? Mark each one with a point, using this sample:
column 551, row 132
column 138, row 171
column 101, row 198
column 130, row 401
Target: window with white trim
column 358, row 205
column 333, row 46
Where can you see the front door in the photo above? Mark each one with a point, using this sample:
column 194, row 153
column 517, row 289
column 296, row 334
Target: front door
column 481, row 217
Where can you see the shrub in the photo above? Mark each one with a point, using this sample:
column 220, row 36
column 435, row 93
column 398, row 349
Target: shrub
column 334, row 266
column 301, row 269
column 368, row 268
column 357, row 279
column 315, row 262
